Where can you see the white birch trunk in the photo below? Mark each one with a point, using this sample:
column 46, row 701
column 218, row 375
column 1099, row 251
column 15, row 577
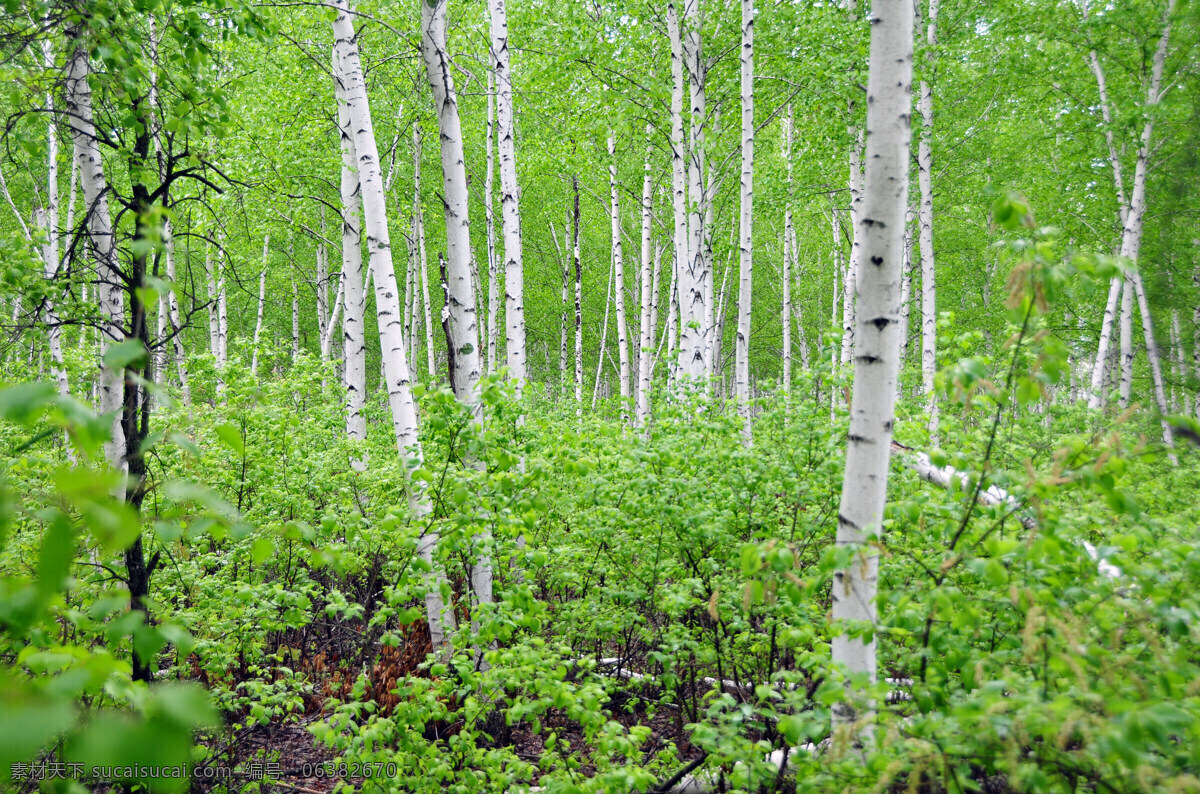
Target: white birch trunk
column 464, row 331
column 877, row 348
column 354, row 349
column 1160, row 395
column 563, row 339
column 100, row 232
column 618, row 256
column 335, row 317
column 488, row 189
column 387, row 300
column 262, row 303
column 1096, row 393
column 423, row 264
column 514, row 268
column 578, row 301
column 789, row 122
column 604, row 334
column 925, row 215
column 746, row 249
column 50, row 258
column 1126, row 343
column 695, row 312
column 850, row 280
column 648, row 292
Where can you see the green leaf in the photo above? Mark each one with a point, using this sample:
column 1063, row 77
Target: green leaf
column 123, row 355
column 24, row 402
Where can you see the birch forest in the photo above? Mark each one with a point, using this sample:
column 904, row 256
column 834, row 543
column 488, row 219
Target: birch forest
column 600, row 396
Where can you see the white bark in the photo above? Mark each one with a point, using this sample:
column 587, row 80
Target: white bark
column 464, row 331
column 695, row 313
column 295, row 321
column 578, row 301
column 334, row 318
column 488, row 189
column 563, row 340
column 648, row 292
column 1126, row 342
column 877, row 345
column 789, row 123
column 387, row 300
column 746, row 249
column 100, row 232
column 603, row 334
column 850, row 280
column 423, row 265
column 1096, row 393
column 1160, row 396
column 50, row 259
column 925, row 216
column 618, row 255
column 322, row 280
column 351, row 110
column 514, row 269
column 262, row 303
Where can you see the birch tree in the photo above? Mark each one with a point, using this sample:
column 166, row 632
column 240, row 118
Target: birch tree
column 925, row 216
column 789, row 123
column 78, row 96
column 618, row 256
column 463, row 326
column 514, row 269
column 387, row 301
column 262, row 302
column 488, row 189
column 351, row 283
column 680, row 238
column 877, row 342
column 746, row 248
column 695, row 308
column 578, row 299
column 648, row 291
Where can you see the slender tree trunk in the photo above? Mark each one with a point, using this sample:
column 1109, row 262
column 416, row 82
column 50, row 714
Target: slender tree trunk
column 1160, row 395
column 387, row 301
column 1179, row 397
column 48, row 220
column 222, row 316
column 648, row 292
column 1096, row 393
column 262, row 303
column 618, row 257
column 906, row 295
column 578, row 300
column 488, row 189
column 423, row 272
column 850, row 279
column 877, row 348
column 925, row 214
column 100, row 232
column 604, row 333
column 463, row 325
column 323, row 280
column 695, row 314
column 746, row 249
column 563, row 340
column 1126, row 342
column 514, row 268
column 335, row 315
column 354, row 348
column 1196, row 328
column 789, row 122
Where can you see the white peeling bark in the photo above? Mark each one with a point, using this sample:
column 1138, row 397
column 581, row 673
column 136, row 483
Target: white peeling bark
column 334, row 318
column 514, row 268
column 877, row 345
column 262, row 303
column 488, row 189
column 789, row 123
column 925, row 215
column 354, row 347
column 1160, row 395
column 387, row 301
column 678, row 183
column 295, row 320
column 48, row 220
column 100, row 233
column 648, row 292
column 695, row 313
column 850, row 280
column 1096, row 393
column 746, row 224
column 423, row 264
column 464, row 331
column 578, row 300
column 618, row 255
column 603, row 335
column 1126, row 343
